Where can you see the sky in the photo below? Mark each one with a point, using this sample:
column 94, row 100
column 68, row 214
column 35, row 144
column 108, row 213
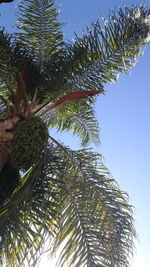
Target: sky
column 123, row 115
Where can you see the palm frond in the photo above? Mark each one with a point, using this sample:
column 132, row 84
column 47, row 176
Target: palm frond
column 92, row 60
column 102, row 52
column 7, row 71
column 78, row 117
column 29, row 216
column 67, row 197
column 40, row 29
column 15, row 60
column 96, row 226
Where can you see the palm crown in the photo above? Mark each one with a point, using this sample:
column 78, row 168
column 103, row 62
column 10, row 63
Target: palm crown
column 47, row 190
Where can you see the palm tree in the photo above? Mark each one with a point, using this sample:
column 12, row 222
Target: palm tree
column 48, row 191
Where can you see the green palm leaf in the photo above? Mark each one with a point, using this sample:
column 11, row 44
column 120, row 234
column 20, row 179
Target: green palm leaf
column 7, row 71
column 65, row 198
column 29, row 216
column 93, row 59
column 105, row 50
column 78, row 117
column 96, row 223
column 41, row 31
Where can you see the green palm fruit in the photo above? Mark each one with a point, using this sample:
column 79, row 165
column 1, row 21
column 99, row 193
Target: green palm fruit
column 30, row 139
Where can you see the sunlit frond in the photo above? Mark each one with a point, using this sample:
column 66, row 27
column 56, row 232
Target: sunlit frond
column 78, row 117
column 96, row 226
column 68, row 196
column 40, row 29
column 106, row 49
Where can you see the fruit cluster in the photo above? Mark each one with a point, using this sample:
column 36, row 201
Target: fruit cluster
column 30, row 139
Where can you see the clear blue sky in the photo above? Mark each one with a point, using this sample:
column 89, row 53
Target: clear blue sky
column 123, row 114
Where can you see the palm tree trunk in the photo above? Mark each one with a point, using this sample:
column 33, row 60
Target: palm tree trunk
column 6, row 136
